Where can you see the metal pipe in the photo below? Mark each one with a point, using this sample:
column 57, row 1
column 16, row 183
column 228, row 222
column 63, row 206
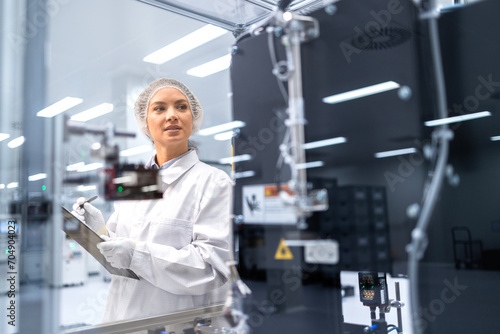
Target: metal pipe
column 443, row 136
column 200, row 16
column 398, row 298
column 296, row 116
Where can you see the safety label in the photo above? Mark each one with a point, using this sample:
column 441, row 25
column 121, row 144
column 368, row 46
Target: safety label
column 283, row 252
column 262, row 204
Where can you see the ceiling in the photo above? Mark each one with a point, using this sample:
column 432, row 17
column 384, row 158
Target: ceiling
column 234, row 15
column 381, row 122
column 96, row 50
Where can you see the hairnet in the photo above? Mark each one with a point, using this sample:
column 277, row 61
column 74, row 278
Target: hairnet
column 142, row 103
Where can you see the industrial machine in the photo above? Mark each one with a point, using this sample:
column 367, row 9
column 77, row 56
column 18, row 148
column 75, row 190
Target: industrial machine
column 319, row 74
column 118, row 181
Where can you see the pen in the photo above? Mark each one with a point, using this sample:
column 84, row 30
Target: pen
column 88, row 201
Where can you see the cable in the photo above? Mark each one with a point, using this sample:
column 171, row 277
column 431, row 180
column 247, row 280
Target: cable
column 373, row 314
column 381, row 314
column 285, row 146
column 395, row 328
column 274, row 60
column 279, row 163
column 442, row 135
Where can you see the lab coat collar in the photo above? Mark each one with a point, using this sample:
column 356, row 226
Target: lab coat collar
column 172, row 173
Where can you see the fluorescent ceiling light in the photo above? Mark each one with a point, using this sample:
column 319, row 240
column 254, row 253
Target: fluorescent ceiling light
column 126, row 179
column 74, row 167
column 135, row 150
column 12, row 185
column 2, row 186
column 59, row 107
column 224, row 135
column 495, row 138
column 326, row 142
column 94, row 112
column 237, row 158
column 4, row 136
column 89, row 167
column 312, row 164
column 213, row 66
column 456, row 119
column 402, row 151
column 16, row 142
column 221, row 128
column 36, row 177
column 240, row 175
column 85, row 188
column 361, row 92
column 189, row 42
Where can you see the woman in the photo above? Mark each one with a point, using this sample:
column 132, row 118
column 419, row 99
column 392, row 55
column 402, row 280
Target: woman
column 178, row 245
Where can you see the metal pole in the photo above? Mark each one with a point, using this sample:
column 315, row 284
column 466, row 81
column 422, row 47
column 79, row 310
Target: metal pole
column 296, row 117
column 39, row 303
column 398, row 310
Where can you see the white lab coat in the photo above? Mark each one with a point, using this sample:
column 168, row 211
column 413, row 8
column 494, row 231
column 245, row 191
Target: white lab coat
column 182, row 243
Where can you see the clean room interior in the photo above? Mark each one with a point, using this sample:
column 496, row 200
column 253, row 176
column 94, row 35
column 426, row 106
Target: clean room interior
column 95, row 52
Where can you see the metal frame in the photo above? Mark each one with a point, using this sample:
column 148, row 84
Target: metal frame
column 236, row 27
column 232, row 26
column 119, row 327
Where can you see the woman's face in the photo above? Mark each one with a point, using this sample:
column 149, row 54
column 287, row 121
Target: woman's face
column 169, row 119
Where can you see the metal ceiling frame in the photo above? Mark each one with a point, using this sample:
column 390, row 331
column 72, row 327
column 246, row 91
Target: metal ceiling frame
column 237, row 27
column 232, row 26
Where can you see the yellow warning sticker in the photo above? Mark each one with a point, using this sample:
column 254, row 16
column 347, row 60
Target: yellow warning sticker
column 283, row 252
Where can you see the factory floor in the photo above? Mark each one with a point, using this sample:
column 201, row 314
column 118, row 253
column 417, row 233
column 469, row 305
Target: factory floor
column 83, row 305
column 452, row 301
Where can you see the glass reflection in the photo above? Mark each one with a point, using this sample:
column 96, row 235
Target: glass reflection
column 178, row 245
column 98, row 59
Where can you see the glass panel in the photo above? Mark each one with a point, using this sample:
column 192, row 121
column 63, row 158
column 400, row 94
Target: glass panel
column 310, row 277
column 229, row 14
column 99, row 59
column 233, row 15
column 373, row 180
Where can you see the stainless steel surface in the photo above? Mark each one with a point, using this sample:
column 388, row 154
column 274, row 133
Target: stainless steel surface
column 152, row 322
column 297, row 29
column 296, row 112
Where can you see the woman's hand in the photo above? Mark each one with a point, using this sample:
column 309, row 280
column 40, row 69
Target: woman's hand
column 117, row 251
column 89, row 214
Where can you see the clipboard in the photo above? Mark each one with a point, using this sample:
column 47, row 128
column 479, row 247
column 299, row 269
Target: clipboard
column 88, row 239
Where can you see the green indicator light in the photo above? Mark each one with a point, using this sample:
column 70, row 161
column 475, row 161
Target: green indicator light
column 120, row 189
column 44, row 187
column 72, row 245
